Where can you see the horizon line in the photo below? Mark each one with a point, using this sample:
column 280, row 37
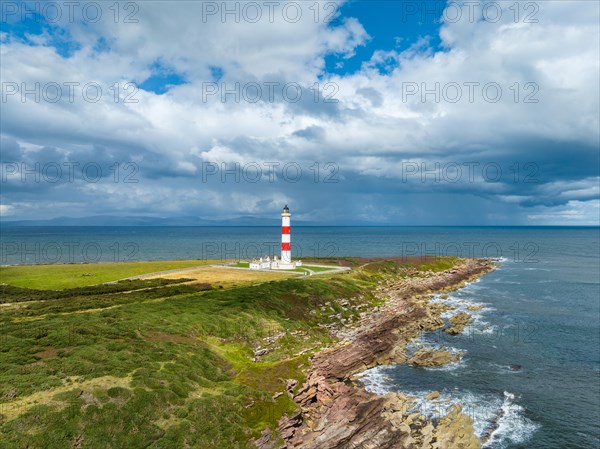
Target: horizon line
column 304, row 226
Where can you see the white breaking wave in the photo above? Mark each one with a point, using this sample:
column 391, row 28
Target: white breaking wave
column 501, row 422
column 377, row 381
column 483, row 409
column 513, row 427
column 467, row 283
column 497, row 421
column 505, row 368
column 479, row 325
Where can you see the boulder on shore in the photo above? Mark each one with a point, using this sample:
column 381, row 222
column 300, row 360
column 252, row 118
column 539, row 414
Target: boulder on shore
column 455, row 430
column 433, row 395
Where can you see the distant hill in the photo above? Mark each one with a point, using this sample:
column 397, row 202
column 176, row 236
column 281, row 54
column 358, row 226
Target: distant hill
column 109, row 220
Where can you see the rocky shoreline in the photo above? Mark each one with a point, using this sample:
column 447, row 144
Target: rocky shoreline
column 335, row 409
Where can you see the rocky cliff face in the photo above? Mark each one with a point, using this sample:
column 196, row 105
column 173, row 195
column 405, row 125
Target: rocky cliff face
column 336, row 412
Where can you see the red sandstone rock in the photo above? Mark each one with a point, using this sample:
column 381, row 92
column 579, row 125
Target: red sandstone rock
column 339, row 414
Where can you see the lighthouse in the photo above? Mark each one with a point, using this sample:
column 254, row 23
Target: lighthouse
column 285, row 263
column 286, row 241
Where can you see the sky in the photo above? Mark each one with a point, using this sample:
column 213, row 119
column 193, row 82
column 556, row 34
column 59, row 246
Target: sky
column 353, row 112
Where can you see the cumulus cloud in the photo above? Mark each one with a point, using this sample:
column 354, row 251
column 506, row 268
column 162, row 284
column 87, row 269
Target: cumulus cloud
column 390, row 135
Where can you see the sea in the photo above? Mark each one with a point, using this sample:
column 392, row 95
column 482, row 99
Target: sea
column 529, row 375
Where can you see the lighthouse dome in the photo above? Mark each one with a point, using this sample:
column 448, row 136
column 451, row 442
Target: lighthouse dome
column 286, row 209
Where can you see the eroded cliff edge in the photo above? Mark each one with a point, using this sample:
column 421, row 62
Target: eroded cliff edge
column 337, row 412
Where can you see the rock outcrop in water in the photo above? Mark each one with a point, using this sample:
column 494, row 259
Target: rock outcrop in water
column 338, row 413
column 433, row 357
column 458, row 323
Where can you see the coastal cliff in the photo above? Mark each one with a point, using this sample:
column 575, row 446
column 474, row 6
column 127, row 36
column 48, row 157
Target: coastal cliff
column 337, row 412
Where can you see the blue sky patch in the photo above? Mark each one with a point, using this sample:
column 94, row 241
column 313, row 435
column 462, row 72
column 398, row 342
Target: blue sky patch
column 35, row 25
column 101, row 46
column 216, row 73
column 162, row 79
column 405, row 24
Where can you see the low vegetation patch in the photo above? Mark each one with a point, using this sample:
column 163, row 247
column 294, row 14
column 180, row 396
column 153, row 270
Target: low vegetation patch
column 166, row 363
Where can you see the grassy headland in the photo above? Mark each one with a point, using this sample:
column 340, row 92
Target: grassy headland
column 59, row 276
column 166, row 363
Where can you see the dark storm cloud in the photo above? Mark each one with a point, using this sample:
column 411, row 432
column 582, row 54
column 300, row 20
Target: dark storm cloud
column 369, row 142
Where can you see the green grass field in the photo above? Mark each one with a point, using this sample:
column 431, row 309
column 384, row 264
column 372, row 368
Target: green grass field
column 53, row 277
column 161, row 363
column 242, row 265
column 317, row 269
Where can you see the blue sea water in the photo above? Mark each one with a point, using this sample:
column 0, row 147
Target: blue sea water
column 530, row 372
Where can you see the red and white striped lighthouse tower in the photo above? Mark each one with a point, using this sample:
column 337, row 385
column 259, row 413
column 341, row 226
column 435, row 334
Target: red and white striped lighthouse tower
column 286, row 242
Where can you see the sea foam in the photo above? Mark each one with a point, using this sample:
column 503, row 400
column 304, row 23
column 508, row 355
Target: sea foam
column 512, row 426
